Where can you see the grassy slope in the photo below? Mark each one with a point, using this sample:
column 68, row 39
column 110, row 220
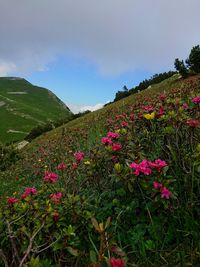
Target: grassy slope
column 21, row 112
column 93, row 123
column 177, row 246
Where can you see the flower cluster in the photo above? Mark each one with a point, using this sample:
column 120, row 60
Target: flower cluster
column 56, row 197
column 50, row 177
column 79, row 156
column 12, row 200
column 62, row 166
column 116, row 262
column 145, row 166
column 165, row 193
column 142, row 167
column 196, row 99
column 29, row 191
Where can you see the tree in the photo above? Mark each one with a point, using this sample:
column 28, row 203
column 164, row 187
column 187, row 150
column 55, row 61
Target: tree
column 180, row 67
column 193, row 61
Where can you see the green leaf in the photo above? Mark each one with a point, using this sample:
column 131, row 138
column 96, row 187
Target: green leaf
column 95, row 224
column 130, row 187
column 93, row 257
column 73, row 251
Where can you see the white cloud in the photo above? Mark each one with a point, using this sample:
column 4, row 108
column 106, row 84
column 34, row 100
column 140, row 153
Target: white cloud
column 75, row 108
column 115, row 35
column 6, row 68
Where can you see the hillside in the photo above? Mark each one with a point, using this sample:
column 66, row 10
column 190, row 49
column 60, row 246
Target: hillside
column 23, row 106
column 116, row 187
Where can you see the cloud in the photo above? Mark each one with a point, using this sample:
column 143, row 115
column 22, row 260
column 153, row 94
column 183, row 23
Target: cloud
column 75, row 108
column 6, row 67
column 116, row 35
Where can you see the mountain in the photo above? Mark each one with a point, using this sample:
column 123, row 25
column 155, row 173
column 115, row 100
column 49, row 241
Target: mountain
column 23, row 106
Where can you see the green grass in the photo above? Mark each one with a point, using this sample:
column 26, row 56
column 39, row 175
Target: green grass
column 21, row 112
column 146, row 229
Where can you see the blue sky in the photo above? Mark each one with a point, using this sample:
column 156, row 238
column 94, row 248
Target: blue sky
column 85, row 51
column 80, row 83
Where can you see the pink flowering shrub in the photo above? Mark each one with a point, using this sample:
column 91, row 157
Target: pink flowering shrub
column 50, row 177
column 29, row 191
column 12, row 200
column 79, row 156
column 196, row 99
column 116, row 262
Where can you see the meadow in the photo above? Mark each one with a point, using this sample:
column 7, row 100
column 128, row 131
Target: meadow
column 117, row 187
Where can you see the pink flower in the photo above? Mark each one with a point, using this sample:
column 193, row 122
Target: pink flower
column 162, row 97
column 142, row 167
column 29, row 191
column 56, row 197
column 55, row 216
column 62, row 166
column 193, row 123
column 112, row 135
column 116, row 147
column 79, row 155
column 124, row 124
column 157, row 185
column 12, row 200
column 74, row 166
column 185, row 106
column 165, row 193
column 106, row 141
column 159, row 164
column 149, row 108
column 116, row 262
column 161, row 112
column 196, row 99
column 50, row 177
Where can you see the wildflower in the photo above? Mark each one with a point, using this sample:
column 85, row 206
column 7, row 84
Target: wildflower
column 112, row 135
column 159, row 164
column 62, row 166
column 87, row 162
column 55, row 216
column 124, row 124
column 29, row 191
column 196, row 99
column 106, row 141
column 193, row 123
column 142, row 167
column 116, row 147
column 79, row 155
column 148, row 108
column 149, row 116
column 161, row 112
column 12, row 200
column 56, row 197
column 185, row 106
column 50, row 177
column 116, row 262
column 162, row 97
column 74, row 166
column 165, row 193
column 157, row 185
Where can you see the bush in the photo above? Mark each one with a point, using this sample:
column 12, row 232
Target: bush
column 8, row 156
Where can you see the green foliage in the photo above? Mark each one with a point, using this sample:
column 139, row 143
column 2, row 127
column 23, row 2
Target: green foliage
column 23, row 106
column 193, row 60
column 180, row 67
column 8, row 156
column 156, row 78
column 105, row 208
column 193, row 63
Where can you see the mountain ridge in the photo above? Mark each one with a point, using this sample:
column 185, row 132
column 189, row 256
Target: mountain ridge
column 24, row 106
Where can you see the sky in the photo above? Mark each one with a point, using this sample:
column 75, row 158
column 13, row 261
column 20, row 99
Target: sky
column 86, row 50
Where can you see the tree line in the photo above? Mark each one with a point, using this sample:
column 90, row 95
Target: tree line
column 185, row 68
